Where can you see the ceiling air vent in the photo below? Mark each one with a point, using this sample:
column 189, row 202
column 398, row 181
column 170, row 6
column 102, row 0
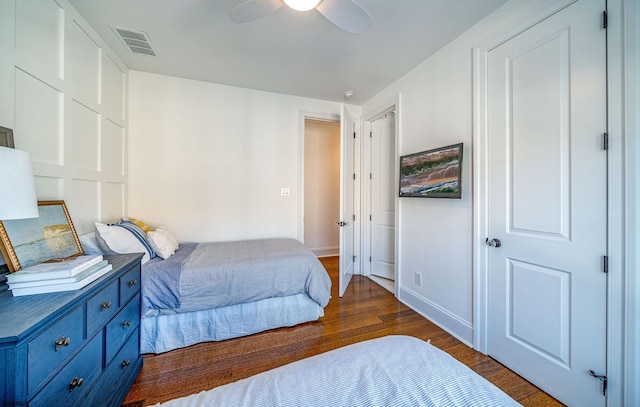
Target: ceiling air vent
column 136, row 41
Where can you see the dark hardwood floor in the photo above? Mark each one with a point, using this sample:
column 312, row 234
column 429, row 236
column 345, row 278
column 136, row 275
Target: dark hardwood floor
column 366, row 311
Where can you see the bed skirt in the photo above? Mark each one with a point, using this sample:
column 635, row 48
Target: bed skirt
column 167, row 330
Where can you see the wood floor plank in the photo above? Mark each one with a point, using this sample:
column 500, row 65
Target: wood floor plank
column 366, row 311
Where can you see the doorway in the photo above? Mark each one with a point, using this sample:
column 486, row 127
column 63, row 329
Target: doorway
column 322, row 186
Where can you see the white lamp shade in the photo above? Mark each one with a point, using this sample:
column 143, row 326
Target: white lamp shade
column 302, row 5
column 17, row 190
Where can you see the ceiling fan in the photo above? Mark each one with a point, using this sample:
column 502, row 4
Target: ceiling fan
column 346, row 14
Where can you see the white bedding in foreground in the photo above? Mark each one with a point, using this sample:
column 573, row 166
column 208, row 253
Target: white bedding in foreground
column 388, row 371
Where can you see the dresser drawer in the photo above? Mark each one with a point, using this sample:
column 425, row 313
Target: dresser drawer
column 129, row 284
column 50, row 348
column 102, row 307
column 69, row 386
column 120, row 373
column 122, row 326
column 126, row 358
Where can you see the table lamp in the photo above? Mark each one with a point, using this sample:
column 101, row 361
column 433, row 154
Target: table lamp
column 17, row 189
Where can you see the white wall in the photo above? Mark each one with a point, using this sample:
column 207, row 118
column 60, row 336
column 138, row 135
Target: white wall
column 435, row 234
column 209, row 160
column 63, row 92
column 322, row 186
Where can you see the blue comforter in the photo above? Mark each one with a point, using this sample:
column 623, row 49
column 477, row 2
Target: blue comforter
column 212, row 275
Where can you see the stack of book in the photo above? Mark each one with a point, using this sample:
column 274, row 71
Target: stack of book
column 58, row 276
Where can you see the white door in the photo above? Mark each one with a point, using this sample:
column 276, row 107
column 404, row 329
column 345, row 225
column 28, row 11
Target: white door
column 547, row 204
column 347, row 213
column 383, row 193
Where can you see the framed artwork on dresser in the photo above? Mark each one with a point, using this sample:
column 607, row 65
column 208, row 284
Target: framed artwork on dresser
column 49, row 237
column 6, row 137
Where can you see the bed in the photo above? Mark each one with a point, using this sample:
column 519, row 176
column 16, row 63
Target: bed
column 222, row 290
column 201, row 292
column 387, row 371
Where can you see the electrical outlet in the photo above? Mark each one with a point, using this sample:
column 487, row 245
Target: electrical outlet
column 418, row 278
column 285, row 191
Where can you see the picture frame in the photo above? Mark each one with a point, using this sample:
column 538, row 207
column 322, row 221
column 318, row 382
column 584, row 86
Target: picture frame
column 6, row 137
column 435, row 173
column 49, row 237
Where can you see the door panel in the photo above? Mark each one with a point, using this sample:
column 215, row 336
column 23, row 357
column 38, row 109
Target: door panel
column 547, row 203
column 383, row 193
column 540, row 189
column 346, row 200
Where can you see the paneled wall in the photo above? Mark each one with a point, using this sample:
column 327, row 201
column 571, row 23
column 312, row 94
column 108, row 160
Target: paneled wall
column 63, row 92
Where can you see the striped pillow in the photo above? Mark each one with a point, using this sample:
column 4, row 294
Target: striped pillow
column 138, row 233
column 117, row 238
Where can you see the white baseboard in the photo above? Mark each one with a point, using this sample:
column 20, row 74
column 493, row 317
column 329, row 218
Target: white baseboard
column 460, row 329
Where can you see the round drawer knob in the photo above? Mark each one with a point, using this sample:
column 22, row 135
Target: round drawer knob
column 125, row 363
column 105, row 305
column 133, row 282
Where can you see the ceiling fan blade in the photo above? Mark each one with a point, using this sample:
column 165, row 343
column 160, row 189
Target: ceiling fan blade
column 253, row 9
column 346, row 14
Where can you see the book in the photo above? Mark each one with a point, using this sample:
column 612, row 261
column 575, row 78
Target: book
column 54, row 288
column 65, row 280
column 58, row 269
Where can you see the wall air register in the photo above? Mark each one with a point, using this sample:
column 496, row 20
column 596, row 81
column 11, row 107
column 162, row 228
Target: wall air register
column 137, row 42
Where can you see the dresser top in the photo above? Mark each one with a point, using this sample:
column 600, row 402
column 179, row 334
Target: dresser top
column 21, row 315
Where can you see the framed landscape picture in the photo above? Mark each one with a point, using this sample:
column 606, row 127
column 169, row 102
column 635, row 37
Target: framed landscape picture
column 433, row 173
column 49, row 237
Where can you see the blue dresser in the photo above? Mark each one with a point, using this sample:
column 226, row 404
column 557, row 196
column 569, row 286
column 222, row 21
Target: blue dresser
column 75, row 348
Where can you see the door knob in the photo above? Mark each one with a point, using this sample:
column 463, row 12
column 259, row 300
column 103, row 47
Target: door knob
column 493, row 242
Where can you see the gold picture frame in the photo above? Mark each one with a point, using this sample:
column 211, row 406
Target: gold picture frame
column 49, row 237
column 6, row 137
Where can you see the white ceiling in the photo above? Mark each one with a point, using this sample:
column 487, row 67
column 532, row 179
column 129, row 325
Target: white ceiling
column 287, row 52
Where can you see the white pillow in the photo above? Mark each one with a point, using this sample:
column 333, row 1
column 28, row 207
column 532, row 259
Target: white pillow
column 163, row 242
column 170, row 234
column 114, row 239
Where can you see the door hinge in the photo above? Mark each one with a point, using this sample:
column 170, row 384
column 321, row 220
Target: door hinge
column 370, row 134
column 369, row 259
column 605, row 20
column 354, row 134
column 603, row 379
column 605, row 264
column 605, row 141
column 354, row 176
column 354, row 258
column 370, row 176
column 370, row 217
column 354, row 217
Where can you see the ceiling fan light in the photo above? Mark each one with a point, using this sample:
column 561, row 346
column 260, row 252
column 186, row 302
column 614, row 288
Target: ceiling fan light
column 302, row 5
